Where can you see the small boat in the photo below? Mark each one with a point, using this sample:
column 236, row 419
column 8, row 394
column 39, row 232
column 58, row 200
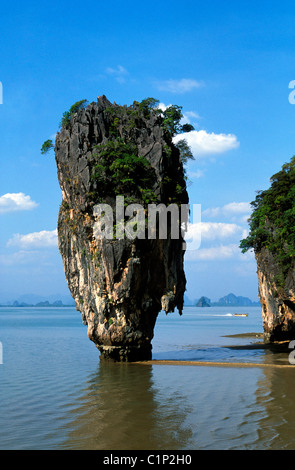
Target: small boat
column 240, row 314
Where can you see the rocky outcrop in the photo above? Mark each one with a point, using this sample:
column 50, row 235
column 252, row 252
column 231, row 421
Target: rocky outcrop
column 203, row 302
column 272, row 237
column 277, row 300
column 119, row 285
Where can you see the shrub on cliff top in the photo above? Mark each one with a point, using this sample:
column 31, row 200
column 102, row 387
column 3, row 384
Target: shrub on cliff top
column 47, row 145
column 66, row 117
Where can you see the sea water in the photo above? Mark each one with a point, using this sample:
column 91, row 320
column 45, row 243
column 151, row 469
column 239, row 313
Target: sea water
column 55, row 394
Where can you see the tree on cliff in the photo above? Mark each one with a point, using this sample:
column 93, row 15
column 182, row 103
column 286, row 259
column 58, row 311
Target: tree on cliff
column 66, row 117
column 172, row 116
column 47, row 146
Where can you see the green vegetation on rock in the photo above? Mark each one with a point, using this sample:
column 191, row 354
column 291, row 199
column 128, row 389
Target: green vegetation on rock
column 184, row 151
column 272, row 223
column 171, row 118
column 47, row 146
column 65, row 122
column 120, row 170
column 118, row 167
column 66, row 117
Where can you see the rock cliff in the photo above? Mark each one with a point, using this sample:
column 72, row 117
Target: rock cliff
column 277, row 301
column 272, row 236
column 119, row 284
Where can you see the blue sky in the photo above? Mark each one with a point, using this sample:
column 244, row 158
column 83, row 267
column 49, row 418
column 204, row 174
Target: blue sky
column 228, row 64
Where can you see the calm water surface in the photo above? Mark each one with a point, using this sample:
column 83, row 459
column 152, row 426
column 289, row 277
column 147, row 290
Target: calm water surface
column 56, row 395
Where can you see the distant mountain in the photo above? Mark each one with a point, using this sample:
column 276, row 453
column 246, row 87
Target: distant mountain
column 229, row 300
column 34, row 299
column 203, row 302
column 45, row 303
column 57, row 303
column 232, row 300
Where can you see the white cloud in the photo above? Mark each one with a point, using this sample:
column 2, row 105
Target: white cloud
column 214, row 252
column 191, row 114
column 45, row 238
column 200, row 235
column 214, row 230
column 12, row 202
column 230, row 209
column 201, row 142
column 183, row 85
column 189, row 117
column 237, row 207
column 118, row 73
column 219, row 253
column 196, row 174
column 218, row 241
column 162, row 106
column 204, row 144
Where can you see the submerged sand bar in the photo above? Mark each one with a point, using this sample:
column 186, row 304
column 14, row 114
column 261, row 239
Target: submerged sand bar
column 213, row 364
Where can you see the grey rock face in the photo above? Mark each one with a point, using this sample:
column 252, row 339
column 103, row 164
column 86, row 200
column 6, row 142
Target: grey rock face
column 278, row 302
column 119, row 286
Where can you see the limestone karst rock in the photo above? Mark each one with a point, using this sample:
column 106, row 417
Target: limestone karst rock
column 102, row 152
column 278, row 304
column 272, row 236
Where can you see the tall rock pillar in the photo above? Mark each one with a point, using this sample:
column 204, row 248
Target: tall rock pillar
column 119, row 285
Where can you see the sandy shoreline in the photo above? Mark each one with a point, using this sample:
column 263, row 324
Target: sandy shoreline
column 277, row 347
column 211, row 364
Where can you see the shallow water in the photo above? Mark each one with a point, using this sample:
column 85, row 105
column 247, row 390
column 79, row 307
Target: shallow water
column 56, row 395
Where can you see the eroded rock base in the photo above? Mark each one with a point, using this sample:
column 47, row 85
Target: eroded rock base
column 277, row 302
column 126, row 354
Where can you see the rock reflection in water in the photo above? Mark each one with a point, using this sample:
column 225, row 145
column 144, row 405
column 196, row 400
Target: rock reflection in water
column 136, row 407
column 123, row 409
column 275, row 392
